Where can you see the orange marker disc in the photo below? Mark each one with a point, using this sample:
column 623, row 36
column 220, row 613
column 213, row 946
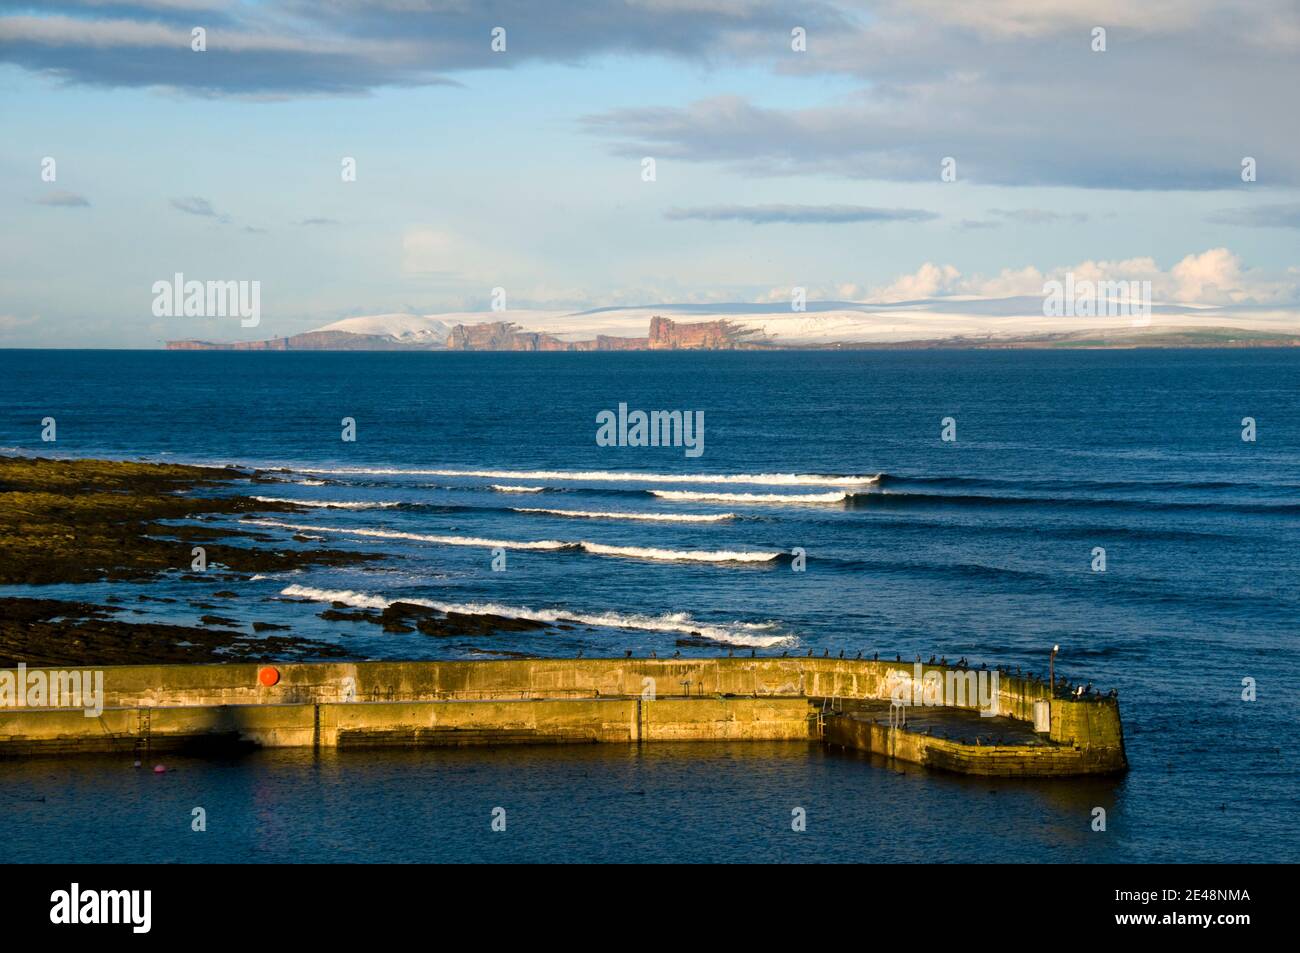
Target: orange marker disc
column 268, row 676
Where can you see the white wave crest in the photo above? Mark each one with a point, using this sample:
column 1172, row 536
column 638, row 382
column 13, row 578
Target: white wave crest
column 758, row 634
column 652, row 517
column 503, row 488
column 423, row 537
column 681, row 555
column 615, row 476
column 692, row 496
column 598, row 549
column 330, row 504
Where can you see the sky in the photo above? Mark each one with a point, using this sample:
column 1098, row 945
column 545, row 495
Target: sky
column 523, row 168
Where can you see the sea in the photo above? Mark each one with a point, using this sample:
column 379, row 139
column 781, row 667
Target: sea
column 1140, row 508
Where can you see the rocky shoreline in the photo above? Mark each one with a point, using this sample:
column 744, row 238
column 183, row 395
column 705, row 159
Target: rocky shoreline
column 87, row 521
column 65, row 521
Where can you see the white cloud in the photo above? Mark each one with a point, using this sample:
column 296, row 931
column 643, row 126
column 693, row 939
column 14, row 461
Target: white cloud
column 1211, row 277
column 1014, row 92
column 928, row 281
column 1043, row 17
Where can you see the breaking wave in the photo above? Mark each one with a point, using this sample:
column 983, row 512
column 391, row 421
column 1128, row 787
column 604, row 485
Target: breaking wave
column 503, row 488
column 692, row 496
column 328, row 504
column 598, row 549
column 757, row 634
column 681, row 555
column 610, row 515
column 545, row 544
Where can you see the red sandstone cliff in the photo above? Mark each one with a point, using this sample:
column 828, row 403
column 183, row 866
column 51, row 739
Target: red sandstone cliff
column 502, row 336
column 668, row 335
column 665, row 335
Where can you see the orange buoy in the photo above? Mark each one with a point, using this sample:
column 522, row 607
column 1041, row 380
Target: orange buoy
column 268, row 675
column 159, row 769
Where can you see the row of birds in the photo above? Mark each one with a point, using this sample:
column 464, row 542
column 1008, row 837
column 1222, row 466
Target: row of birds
column 1062, row 684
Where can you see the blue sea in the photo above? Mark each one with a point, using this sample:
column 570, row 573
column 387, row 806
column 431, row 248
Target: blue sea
column 825, row 513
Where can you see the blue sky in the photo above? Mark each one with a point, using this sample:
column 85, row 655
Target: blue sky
column 523, row 169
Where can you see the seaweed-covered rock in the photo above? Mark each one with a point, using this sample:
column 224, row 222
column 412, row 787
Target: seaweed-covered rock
column 76, row 634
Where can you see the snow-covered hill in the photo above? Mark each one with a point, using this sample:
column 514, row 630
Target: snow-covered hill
column 830, row 323
column 407, row 328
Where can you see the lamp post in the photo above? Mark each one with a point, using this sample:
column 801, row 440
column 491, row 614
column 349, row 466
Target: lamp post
column 1051, row 669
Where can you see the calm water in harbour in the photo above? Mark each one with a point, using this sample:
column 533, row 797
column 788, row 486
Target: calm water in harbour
column 980, row 547
column 613, row 803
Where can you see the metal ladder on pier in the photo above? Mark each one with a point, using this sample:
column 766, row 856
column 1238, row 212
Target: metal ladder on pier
column 897, row 715
column 831, row 705
column 144, row 719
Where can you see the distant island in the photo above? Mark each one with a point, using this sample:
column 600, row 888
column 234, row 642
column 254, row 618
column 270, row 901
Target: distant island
column 664, row 335
column 1007, row 323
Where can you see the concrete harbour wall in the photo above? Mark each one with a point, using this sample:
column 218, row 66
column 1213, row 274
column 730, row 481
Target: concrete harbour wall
column 551, row 701
column 160, row 685
column 1014, row 761
column 355, row 724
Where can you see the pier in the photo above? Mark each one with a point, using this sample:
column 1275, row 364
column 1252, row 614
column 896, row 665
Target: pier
column 1019, row 732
